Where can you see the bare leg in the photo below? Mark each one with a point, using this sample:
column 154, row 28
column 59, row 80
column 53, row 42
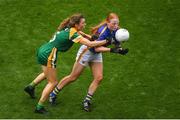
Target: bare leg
column 39, row 78
column 76, row 72
column 51, row 76
column 97, row 71
column 30, row 89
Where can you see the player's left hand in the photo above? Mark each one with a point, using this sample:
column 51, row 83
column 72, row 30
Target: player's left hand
column 117, row 44
column 109, row 41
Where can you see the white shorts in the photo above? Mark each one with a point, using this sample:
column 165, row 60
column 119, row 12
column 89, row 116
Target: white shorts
column 84, row 56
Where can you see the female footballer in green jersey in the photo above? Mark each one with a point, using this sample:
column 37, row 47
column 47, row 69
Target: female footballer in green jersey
column 62, row 41
column 93, row 58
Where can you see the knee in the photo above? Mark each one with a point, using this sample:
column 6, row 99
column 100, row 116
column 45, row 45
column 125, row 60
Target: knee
column 98, row 79
column 73, row 78
column 53, row 82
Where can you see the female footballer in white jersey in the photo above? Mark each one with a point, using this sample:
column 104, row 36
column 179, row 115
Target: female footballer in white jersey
column 92, row 57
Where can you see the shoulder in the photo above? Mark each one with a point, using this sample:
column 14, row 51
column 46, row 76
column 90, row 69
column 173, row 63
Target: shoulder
column 72, row 31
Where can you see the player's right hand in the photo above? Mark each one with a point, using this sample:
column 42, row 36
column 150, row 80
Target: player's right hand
column 119, row 50
column 124, row 51
column 94, row 37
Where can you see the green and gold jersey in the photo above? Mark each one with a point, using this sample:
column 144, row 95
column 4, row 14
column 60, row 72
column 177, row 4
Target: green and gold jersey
column 61, row 41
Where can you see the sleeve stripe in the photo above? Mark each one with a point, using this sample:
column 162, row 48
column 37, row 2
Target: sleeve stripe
column 103, row 31
column 77, row 39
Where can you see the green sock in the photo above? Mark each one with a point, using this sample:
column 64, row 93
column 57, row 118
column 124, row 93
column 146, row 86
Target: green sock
column 39, row 106
column 32, row 84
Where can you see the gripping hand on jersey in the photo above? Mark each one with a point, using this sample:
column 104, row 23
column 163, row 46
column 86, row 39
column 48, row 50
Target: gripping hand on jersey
column 94, row 37
column 109, row 41
column 119, row 50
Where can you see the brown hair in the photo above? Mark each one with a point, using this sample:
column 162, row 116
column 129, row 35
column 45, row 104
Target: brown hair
column 70, row 21
column 108, row 18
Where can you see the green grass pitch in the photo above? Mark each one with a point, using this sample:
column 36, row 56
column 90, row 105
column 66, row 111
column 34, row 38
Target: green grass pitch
column 143, row 84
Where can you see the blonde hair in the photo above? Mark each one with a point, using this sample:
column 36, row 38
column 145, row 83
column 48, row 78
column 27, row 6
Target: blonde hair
column 108, row 18
column 70, row 21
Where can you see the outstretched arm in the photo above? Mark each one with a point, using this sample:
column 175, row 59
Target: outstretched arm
column 88, row 43
column 102, row 49
column 117, row 50
column 84, row 35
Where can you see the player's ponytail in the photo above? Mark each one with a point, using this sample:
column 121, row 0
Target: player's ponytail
column 94, row 29
column 64, row 24
column 108, row 18
column 70, row 21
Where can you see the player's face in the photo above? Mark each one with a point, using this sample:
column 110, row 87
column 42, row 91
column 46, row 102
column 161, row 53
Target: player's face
column 81, row 25
column 113, row 24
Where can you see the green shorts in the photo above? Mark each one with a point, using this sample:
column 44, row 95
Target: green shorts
column 47, row 57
